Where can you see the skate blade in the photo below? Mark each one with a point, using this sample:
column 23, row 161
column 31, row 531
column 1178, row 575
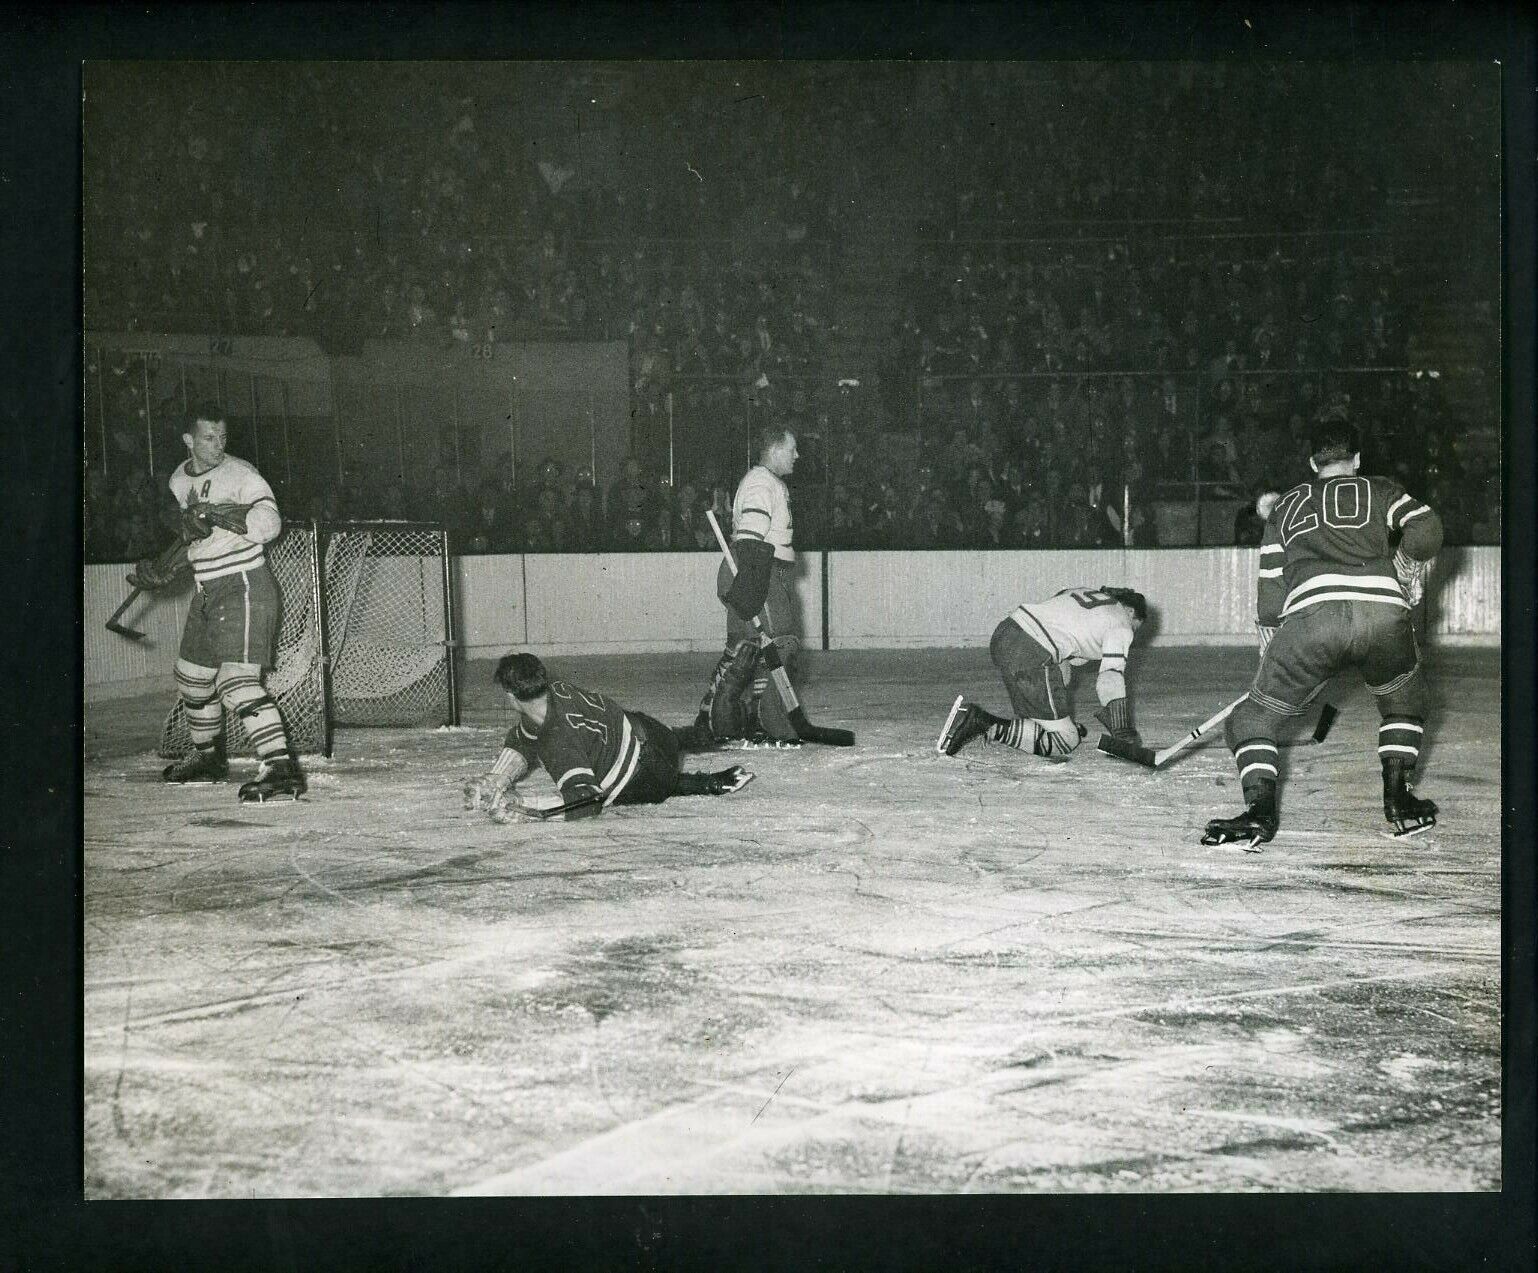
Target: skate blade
column 1406, row 834
column 289, row 797
column 949, row 721
column 1235, row 846
column 765, row 744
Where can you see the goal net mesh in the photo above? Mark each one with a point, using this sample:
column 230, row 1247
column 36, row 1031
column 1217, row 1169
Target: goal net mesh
column 386, row 627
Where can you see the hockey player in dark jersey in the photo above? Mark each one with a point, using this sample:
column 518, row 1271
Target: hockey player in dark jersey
column 597, row 753
column 1334, row 592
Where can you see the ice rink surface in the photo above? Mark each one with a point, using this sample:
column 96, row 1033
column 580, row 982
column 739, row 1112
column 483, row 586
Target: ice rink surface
column 873, row 970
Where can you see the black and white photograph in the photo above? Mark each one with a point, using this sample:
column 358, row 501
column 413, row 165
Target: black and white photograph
column 739, row 627
column 676, row 629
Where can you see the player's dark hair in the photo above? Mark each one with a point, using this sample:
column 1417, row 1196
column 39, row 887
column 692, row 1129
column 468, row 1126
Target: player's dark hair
column 202, row 411
column 1333, row 438
column 1134, row 601
column 523, row 676
column 769, row 435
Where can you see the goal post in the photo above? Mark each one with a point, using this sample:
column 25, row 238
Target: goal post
column 365, row 635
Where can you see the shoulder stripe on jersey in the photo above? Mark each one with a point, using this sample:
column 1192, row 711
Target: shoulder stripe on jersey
column 573, row 773
column 1394, row 508
column 754, row 508
column 1412, row 514
column 1274, row 573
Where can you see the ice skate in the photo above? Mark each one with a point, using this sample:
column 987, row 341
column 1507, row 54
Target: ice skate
column 1406, row 812
column 275, row 778
column 1252, row 828
column 965, row 722
column 202, row 765
column 725, row 781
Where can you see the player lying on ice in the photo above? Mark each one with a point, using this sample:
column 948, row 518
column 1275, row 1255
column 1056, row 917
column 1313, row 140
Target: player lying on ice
column 597, row 753
column 1332, row 592
column 1035, row 647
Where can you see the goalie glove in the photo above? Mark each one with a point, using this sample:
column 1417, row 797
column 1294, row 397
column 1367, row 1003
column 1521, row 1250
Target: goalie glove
column 1412, row 575
column 197, row 521
column 230, row 517
column 755, row 559
column 1116, row 716
column 154, row 573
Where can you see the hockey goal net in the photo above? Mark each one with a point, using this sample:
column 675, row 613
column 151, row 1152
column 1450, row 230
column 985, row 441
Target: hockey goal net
column 365, row 636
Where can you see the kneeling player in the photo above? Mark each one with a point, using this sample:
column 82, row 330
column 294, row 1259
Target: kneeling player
column 1031, row 647
column 596, row 752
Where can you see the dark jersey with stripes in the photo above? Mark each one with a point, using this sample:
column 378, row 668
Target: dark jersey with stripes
column 1334, row 538
column 588, row 744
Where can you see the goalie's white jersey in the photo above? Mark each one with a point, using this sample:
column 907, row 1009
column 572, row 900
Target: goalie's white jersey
column 231, row 481
column 761, row 510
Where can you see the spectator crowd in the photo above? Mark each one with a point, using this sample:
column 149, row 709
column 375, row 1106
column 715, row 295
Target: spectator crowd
column 1077, row 333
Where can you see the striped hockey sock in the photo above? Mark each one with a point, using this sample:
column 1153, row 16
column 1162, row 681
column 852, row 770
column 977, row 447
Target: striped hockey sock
column 1017, row 733
column 242, row 693
column 200, row 699
column 1400, row 736
column 1256, row 759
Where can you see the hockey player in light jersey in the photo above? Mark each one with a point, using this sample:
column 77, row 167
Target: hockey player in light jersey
column 597, row 753
column 1035, row 648
column 228, row 516
column 734, row 704
column 1334, row 593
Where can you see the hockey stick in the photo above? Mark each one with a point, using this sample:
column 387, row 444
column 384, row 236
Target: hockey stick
column 1151, row 759
column 543, row 813
column 163, row 561
column 807, row 731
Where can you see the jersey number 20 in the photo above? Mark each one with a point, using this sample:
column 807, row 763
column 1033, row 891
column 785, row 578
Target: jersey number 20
column 1345, row 503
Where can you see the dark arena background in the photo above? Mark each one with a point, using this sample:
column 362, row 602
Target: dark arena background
column 1035, row 325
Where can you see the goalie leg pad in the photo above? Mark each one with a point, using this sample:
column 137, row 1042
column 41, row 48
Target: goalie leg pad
column 731, row 680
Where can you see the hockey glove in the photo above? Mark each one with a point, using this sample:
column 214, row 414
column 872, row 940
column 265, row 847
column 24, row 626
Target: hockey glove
column 1412, row 575
column 1266, row 633
column 197, row 522
column 486, row 792
column 1116, row 716
column 746, row 595
column 231, row 517
column 154, row 573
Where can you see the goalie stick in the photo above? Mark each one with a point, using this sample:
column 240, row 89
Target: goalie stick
column 1151, row 759
column 807, row 731
column 162, row 562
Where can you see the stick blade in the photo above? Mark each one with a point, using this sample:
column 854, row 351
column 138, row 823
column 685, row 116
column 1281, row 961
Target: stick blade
column 1124, row 750
column 1327, row 715
column 810, row 733
column 125, row 632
